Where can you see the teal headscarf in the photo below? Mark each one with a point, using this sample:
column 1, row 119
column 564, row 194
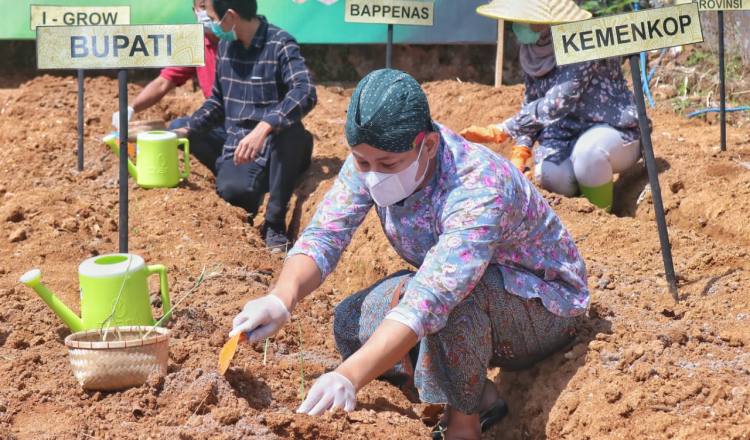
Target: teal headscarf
column 388, row 110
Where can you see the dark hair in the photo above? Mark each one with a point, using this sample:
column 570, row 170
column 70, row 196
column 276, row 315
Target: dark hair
column 247, row 9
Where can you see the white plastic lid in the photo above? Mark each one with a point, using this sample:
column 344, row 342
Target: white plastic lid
column 111, row 265
column 156, row 136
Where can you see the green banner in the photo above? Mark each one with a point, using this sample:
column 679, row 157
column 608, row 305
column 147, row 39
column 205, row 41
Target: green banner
column 310, row 21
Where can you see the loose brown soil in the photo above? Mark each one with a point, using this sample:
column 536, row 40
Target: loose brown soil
column 645, row 366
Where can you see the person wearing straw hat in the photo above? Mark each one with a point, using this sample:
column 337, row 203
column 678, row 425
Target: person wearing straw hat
column 582, row 116
column 498, row 280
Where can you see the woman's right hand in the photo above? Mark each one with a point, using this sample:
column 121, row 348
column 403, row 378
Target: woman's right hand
column 267, row 315
column 263, row 316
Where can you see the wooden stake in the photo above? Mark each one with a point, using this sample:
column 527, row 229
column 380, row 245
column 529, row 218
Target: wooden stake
column 499, row 58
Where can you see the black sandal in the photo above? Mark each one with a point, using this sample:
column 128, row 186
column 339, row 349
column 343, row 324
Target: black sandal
column 487, row 419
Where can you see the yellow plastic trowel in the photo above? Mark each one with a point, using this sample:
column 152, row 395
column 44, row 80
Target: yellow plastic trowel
column 228, row 350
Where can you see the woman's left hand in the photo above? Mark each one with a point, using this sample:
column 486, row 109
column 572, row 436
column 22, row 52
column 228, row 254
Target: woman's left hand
column 519, row 156
column 331, row 390
column 490, row 133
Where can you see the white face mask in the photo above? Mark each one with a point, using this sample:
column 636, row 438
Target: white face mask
column 387, row 189
column 204, row 19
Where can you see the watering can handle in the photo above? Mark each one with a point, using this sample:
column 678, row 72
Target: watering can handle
column 166, row 305
column 186, row 145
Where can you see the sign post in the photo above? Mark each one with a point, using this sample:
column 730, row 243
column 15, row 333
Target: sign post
column 389, row 48
column 722, row 84
column 390, row 12
column 721, row 6
column 122, row 86
column 120, row 47
column 43, row 15
column 500, row 53
column 629, row 34
column 80, row 120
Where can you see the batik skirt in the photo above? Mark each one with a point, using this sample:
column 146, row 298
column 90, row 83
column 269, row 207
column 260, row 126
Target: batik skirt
column 490, row 327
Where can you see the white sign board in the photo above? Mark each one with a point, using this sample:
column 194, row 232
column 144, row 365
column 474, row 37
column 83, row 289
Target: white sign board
column 625, row 34
column 418, row 13
column 119, row 47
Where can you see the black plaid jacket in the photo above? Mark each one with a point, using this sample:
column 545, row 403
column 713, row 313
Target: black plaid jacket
column 269, row 81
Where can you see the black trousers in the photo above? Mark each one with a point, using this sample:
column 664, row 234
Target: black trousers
column 246, row 185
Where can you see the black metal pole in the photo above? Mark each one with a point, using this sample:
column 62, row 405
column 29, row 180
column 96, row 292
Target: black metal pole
column 653, row 176
column 722, row 84
column 122, row 77
column 80, row 119
column 389, row 48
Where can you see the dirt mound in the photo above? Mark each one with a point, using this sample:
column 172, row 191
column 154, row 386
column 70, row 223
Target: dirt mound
column 644, row 366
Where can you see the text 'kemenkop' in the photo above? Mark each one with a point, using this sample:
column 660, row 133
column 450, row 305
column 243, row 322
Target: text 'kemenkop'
column 625, row 34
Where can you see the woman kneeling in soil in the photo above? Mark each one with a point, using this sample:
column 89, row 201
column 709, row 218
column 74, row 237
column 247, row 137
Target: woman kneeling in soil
column 499, row 280
column 582, row 115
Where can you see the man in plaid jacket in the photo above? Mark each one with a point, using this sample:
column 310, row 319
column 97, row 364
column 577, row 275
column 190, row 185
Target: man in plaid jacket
column 262, row 90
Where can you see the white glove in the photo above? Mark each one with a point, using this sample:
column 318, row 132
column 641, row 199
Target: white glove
column 264, row 316
column 330, row 391
column 116, row 118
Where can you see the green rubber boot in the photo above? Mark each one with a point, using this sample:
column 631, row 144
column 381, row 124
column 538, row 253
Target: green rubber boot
column 600, row 196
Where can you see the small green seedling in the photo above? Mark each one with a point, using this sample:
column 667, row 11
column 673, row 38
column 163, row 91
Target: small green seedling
column 301, row 361
column 265, row 352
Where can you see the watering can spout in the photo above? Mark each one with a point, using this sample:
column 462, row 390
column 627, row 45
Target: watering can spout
column 33, row 279
column 111, row 140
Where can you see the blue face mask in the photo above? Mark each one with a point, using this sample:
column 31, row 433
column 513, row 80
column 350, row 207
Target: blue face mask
column 524, row 33
column 221, row 34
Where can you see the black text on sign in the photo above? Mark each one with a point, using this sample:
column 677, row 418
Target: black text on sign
column 723, row 5
column 420, row 13
column 42, row 15
column 625, row 34
column 121, row 45
column 112, row 47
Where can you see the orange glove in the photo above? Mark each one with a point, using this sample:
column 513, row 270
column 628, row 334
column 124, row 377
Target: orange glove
column 490, row 133
column 518, row 157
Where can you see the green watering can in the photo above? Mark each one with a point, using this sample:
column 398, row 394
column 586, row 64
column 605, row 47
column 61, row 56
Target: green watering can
column 103, row 279
column 156, row 164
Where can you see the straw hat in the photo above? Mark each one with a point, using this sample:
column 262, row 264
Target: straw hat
column 534, row 11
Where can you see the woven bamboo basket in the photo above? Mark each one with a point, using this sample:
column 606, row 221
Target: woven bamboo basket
column 118, row 363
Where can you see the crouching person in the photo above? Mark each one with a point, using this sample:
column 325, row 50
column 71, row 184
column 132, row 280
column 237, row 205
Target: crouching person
column 499, row 281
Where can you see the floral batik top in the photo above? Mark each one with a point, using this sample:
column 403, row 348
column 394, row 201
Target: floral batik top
column 476, row 210
column 561, row 105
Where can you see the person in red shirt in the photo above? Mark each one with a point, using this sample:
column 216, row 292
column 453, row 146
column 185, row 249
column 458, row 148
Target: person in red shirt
column 206, row 148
